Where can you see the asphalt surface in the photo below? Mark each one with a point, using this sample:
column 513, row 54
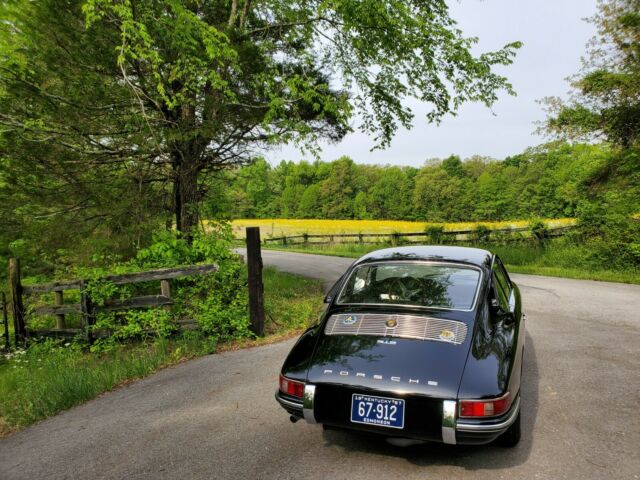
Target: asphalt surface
column 215, row 417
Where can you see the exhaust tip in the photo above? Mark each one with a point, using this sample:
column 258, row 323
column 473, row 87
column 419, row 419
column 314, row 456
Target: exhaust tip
column 294, row 419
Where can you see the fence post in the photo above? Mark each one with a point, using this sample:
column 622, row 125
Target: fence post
column 59, row 300
column 165, row 288
column 86, row 309
column 256, row 289
column 19, row 327
column 7, row 340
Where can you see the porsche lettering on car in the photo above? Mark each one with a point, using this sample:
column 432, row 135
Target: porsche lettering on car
column 423, row 343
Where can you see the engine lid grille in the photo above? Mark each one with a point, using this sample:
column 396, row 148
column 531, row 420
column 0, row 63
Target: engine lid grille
column 402, row 326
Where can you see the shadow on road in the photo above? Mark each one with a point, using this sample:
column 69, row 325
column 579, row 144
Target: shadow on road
column 488, row 457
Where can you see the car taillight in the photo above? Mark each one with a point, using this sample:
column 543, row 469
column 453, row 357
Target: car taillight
column 291, row 387
column 485, row 408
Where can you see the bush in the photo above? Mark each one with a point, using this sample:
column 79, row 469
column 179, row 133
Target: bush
column 539, row 231
column 481, row 234
column 216, row 301
column 612, row 235
column 435, row 234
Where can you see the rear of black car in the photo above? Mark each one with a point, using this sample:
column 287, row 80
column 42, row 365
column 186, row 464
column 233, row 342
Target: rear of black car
column 379, row 348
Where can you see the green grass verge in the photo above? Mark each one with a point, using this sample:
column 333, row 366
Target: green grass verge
column 48, row 377
column 558, row 259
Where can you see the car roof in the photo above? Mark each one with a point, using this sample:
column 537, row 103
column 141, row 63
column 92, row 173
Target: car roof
column 473, row 256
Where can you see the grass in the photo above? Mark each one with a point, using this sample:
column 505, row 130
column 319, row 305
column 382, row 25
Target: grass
column 49, row 377
column 558, row 259
column 278, row 227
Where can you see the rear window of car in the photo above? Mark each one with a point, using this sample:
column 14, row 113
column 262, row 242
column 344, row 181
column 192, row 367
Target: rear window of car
column 414, row 284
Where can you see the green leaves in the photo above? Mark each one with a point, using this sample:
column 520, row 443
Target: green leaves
column 113, row 113
column 606, row 101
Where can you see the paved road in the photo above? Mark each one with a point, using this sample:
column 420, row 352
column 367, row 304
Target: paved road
column 215, row 417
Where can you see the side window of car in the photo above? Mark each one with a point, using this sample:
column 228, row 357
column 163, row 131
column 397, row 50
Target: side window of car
column 503, row 273
column 503, row 285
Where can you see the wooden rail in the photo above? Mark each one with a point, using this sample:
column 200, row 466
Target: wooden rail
column 308, row 239
column 86, row 307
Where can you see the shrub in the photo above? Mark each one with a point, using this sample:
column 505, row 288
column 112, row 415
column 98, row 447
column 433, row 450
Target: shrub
column 216, row 301
column 539, row 231
column 435, row 234
column 481, row 234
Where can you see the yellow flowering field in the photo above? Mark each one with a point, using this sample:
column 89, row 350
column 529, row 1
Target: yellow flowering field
column 279, row 227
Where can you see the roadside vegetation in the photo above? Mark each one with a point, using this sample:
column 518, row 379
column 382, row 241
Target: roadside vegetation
column 54, row 375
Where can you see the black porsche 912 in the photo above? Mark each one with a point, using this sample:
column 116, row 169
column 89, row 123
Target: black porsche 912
column 420, row 343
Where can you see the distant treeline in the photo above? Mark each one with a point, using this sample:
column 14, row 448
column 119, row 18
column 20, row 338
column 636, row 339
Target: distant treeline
column 548, row 181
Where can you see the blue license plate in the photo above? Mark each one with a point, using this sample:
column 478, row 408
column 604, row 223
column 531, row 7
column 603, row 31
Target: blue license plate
column 381, row 411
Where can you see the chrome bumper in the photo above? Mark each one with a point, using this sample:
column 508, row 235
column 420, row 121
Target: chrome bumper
column 454, row 430
column 289, row 405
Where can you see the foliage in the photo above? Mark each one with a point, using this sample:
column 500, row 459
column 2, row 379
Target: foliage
column 435, row 234
column 607, row 99
column 133, row 105
column 549, row 181
column 539, row 230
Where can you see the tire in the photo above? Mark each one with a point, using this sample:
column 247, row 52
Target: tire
column 511, row 437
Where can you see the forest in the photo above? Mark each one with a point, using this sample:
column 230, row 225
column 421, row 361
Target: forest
column 550, row 181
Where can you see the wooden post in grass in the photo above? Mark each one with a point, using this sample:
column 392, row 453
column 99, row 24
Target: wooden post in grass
column 256, row 288
column 19, row 327
column 165, row 291
column 86, row 310
column 5, row 319
column 59, row 300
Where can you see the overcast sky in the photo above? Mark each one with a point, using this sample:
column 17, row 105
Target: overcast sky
column 554, row 36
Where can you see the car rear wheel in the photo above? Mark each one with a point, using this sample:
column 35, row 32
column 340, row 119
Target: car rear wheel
column 511, row 437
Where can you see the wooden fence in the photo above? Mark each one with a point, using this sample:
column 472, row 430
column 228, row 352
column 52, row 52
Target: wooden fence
column 85, row 307
column 397, row 237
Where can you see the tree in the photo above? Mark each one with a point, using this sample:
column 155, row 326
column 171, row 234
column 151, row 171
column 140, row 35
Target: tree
column 606, row 103
column 337, row 190
column 453, row 166
column 60, row 182
column 437, row 195
column 186, row 88
column 310, row 202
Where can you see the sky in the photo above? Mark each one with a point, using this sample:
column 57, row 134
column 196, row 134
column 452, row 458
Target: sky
column 554, row 34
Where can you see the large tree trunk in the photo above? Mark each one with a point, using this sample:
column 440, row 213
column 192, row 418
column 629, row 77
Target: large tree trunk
column 185, row 193
column 186, row 168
